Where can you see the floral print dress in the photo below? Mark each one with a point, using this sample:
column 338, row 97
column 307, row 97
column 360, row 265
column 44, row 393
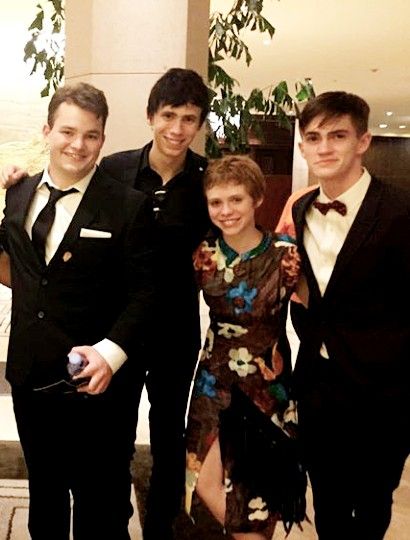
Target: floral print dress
column 247, row 295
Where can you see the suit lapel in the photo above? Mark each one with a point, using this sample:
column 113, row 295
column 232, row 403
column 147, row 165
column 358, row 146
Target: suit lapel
column 25, row 194
column 130, row 175
column 132, row 167
column 299, row 212
column 18, row 205
column 362, row 226
column 96, row 193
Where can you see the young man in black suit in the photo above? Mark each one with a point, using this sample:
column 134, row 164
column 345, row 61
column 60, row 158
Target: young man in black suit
column 170, row 174
column 352, row 373
column 81, row 278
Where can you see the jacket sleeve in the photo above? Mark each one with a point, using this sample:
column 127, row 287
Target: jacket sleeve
column 138, row 261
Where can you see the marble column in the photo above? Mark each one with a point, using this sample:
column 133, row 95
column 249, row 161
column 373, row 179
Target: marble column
column 123, row 47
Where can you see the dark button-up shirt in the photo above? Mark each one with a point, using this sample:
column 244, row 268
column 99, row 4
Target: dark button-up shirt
column 181, row 222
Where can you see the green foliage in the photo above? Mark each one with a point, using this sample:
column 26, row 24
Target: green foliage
column 46, row 45
column 236, row 114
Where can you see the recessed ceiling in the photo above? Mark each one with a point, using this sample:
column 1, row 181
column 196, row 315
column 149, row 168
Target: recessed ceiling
column 360, row 46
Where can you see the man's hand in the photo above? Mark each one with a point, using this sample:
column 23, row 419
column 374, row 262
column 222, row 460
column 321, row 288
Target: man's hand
column 10, row 175
column 97, row 368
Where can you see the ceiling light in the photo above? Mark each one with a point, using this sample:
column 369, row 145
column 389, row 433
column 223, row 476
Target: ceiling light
column 267, row 41
column 402, row 126
column 382, row 126
column 389, row 113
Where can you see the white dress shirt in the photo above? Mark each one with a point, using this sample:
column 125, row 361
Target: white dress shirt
column 66, row 207
column 324, row 235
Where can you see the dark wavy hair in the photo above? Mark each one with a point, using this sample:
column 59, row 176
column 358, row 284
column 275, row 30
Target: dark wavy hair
column 334, row 104
column 178, row 87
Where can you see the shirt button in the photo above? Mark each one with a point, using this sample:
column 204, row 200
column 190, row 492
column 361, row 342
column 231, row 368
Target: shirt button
column 44, row 281
column 40, row 314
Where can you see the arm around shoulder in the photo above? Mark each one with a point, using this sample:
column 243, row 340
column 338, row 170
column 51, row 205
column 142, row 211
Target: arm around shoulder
column 11, row 175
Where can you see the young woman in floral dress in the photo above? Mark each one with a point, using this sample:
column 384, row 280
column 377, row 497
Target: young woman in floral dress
column 246, row 276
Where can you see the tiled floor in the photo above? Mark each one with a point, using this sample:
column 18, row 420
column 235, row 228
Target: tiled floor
column 14, row 500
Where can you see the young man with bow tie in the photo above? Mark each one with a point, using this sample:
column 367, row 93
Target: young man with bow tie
column 79, row 246
column 352, row 374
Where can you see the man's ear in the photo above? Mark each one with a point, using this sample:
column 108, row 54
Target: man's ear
column 300, row 144
column 46, row 130
column 364, row 142
column 149, row 119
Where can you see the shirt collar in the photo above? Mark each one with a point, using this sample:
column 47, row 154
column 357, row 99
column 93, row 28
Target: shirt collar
column 80, row 186
column 354, row 196
column 145, row 159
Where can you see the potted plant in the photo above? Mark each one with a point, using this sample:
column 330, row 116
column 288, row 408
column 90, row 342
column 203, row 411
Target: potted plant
column 233, row 116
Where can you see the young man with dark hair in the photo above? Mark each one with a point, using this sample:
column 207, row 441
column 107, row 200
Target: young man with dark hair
column 352, row 374
column 80, row 253
column 170, row 174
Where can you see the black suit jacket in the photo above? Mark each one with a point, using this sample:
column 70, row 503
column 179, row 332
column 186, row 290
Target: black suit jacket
column 182, row 225
column 93, row 288
column 186, row 217
column 364, row 315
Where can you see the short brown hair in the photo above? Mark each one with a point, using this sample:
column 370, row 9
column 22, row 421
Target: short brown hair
column 83, row 95
column 333, row 105
column 236, row 169
column 177, row 87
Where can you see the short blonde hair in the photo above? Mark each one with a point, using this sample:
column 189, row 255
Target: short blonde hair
column 236, row 169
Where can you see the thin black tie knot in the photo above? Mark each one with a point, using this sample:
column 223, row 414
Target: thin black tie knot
column 336, row 205
column 45, row 219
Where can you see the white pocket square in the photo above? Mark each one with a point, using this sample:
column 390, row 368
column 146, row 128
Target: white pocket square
column 92, row 233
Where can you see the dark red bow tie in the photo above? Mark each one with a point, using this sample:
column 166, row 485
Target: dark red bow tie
column 324, row 208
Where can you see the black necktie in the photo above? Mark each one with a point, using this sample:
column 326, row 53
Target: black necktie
column 336, row 205
column 45, row 219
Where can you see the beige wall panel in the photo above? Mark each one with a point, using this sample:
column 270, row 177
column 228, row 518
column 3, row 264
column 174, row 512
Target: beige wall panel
column 123, row 47
column 139, row 36
column 127, row 96
column 79, row 27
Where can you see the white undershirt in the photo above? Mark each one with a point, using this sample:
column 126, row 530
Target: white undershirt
column 324, row 235
column 66, row 207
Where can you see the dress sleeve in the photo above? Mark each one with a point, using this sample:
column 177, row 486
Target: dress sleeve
column 290, row 267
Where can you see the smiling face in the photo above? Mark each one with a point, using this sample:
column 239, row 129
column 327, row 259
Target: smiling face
column 174, row 129
column 75, row 140
column 232, row 209
column 333, row 151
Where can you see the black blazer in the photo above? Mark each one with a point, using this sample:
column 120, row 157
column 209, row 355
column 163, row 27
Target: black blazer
column 93, row 288
column 187, row 216
column 364, row 315
column 182, row 225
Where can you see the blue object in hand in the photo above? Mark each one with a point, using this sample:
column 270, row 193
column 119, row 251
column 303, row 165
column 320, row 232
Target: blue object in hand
column 75, row 363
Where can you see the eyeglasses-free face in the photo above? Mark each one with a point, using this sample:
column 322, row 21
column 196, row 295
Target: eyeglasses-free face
column 174, row 129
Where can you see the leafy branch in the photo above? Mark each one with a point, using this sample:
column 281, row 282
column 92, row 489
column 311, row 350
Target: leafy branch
column 46, row 45
column 237, row 115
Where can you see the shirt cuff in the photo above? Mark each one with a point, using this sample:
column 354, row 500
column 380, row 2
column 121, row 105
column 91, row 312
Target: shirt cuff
column 112, row 353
